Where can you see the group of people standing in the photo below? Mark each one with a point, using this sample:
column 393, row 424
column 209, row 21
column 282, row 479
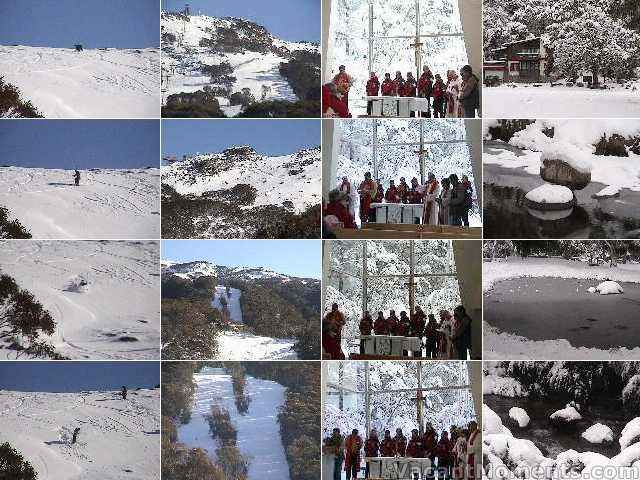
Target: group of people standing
column 454, row 455
column 446, row 338
column 458, row 97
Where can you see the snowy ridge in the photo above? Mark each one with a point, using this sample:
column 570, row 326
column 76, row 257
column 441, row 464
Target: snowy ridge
column 108, row 203
column 107, row 83
column 118, row 440
column 292, row 180
column 115, row 315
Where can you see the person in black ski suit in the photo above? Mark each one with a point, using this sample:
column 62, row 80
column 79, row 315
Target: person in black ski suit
column 76, row 177
column 75, row 435
column 124, row 392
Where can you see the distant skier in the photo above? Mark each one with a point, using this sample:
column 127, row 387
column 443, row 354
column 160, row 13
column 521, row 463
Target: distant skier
column 75, row 435
column 124, row 392
column 76, row 177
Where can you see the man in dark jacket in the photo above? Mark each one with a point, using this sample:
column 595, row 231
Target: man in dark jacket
column 456, row 200
column 470, row 94
column 462, row 335
column 371, row 449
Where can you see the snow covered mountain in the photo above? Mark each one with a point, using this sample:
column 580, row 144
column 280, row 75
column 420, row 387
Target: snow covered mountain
column 107, row 204
column 118, row 439
column 97, row 83
column 227, row 54
column 234, row 188
column 103, row 295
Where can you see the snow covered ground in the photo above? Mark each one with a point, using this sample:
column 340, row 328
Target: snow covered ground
column 258, row 430
column 107, row 204
column 116, row 316
column 559, row 102
column 499, row 345
column 97, row 83
column 118, row 439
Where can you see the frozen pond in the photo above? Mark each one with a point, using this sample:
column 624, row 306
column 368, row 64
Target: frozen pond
column 545, row 308
column 258, row 430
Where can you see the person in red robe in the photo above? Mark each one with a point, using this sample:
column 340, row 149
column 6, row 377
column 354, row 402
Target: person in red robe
column 332, row 325
column 438, row 93
column 429, row 442
column 431, row 193
column 371, row 449
column 379, row 194
column 425, row 83
column 400, row 443
column 414, row 195
column 414, row 447
column 398, row 83
column 339, row 207
column 343, row 84
column 367, row 191
column 444, row 452
column 409, row 87
column 373, row 89
column 391, row 195
column 332, row 105
column 352, row 447
column 380, row 326
column 403, row 190
column 392, row 322
column 418, row 322
column 403, row 326
column 366, row 326
column 387, row 446
column 388, row 87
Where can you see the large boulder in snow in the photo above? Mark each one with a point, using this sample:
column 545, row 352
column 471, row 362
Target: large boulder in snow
column 609, row 288
column 631, row 394
column 549, row 197
column 598, row 433
column 565, row 164
column 565, row 417
column 520, row 416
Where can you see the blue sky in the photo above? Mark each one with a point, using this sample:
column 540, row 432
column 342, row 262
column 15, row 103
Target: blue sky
column 77, row 376
column 272, row 137
column 299, row 258
column 80, row 144
column 293, row 20
column 92, row 23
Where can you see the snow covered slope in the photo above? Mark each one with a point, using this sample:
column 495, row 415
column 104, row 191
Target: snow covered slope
column 291, row 180
column 190, row 43
column 107, row 204
column 115, row 316
column 107, row 83
column 119, row 440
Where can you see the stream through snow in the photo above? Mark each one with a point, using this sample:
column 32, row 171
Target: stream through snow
column 258, row 431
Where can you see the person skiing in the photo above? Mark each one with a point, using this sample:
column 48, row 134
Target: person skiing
column 76, row 177
column 124, row 392
column 75, row 435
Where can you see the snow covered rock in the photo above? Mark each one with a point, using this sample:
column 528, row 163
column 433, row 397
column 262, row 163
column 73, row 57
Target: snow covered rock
column 566, row 416
column 503, row 386
column 609, row 288
column 598, row 433
column 565, row 164
column 630, row 433
column 592, row 290
column 629, row 456
column 491, row 423
column 550, row 197
column 520, row 416
column 608, row 192
column 631, row 393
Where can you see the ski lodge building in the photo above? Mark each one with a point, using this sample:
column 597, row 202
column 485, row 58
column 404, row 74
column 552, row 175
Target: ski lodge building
column 519, row 61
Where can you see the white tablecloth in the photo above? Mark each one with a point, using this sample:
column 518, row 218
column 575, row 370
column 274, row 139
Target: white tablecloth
column 397, row 468
column 397, row 106
column 398, row 212
column 393, row 345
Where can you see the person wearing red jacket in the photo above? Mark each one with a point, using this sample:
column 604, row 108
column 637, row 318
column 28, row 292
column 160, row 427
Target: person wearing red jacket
column 392, row 195
column 387, row 446
column 380, row 326
column 398, row 83
column 343, row 84
column 388, row 87
column 332, row 105
column 352, row 447
column 371, row 449
column 414, row 195
column 444, row 452
column 403, row 190
column 338, row 207
column 392, row 322
column 429, row 442
column 366, row 326
column 414, row 447
column 373, row 88
column 379, row 194
column 425, row 83
column 409, row 87
column 400, row 442
column 438, row 93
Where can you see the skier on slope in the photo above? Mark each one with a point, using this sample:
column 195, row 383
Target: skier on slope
column 75, row 435
column 124, row 392
column 76, row 177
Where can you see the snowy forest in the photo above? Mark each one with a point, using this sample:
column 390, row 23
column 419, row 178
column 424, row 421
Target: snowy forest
column 601, row 37
column 395, row 161
column 298, row 420
column 344, row 283
column 443, row 408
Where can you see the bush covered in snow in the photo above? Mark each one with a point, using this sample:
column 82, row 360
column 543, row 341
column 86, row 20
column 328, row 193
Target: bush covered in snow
column 12, row 105
column 11, row 228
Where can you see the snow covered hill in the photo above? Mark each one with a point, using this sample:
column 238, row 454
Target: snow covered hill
column 118, row 440
column 236, row 185
column 97, row 83
column 107, row 204
column 191, row 43
column 103, row 295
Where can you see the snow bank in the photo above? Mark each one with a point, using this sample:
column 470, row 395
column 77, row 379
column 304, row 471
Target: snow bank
column 503, row 386
column 549, row 193
column 598, row 433
column 566, row 415
column 631, row 392
column 607, row 192
column 491, row 423
column 245, row 346
column 628, row 456
column 519, row 415
column 568, row 153
column 609, row 288
column 630, row 433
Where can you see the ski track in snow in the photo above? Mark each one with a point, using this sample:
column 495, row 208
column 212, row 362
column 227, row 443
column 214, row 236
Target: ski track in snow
column 107, row 204
column 258, row 431
column 115, row 435
column 63, row 83
column 121, row 298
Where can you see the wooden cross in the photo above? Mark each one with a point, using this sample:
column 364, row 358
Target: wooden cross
column 416, row 46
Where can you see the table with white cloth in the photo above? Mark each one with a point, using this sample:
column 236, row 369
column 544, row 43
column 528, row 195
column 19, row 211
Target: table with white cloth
column 400, row 468
column 390, row 345
column 398, row 212
column 397, row 106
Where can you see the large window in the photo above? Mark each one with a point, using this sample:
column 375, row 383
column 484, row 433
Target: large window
column 380, row 275
column 384, row 36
